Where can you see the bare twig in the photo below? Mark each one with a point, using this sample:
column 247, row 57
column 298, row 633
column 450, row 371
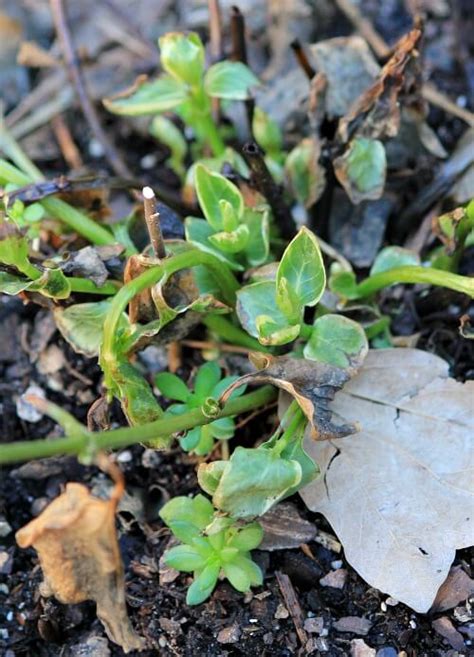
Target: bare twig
column 262, row 180
column 292, row 604
column 77, row 79
column 215, row 30
column 382, row 50
column 239, row 53
column 66, row 143
column 152, row 218
column 302, row 59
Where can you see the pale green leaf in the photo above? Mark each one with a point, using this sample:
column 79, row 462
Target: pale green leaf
column 230, row 80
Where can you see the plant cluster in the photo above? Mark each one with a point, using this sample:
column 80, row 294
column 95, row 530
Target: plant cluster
column 230, row 274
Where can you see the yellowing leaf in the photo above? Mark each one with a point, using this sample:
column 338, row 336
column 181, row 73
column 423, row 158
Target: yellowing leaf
column 399, row 494
column 76, row 541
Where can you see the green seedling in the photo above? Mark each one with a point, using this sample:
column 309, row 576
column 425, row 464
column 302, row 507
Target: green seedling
column 238, row 235
column 211, row 548
column 187, row 88
column 208, row 386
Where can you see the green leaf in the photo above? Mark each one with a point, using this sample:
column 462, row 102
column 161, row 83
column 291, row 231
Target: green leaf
column 136, row 397
column 252, row 481
column 237, row 576
column 306, row 176
column 13, row 285
column 343, row 283
column 161, row 95
column 168, row 134
column 223, row 428
column 247, row 538
column 394, row 256
column 338, row 341
column 296, row 452
column 362, row 169
column 33, row 213
column 206, row 442
column 302, row 266
column 266, row 132
column 231, row 242
column 211, row 189
column 203, row 586
column 257, row 300
column 191, row 439
column 198, row 511
column 81, row 325
column 207, row 377
column 258, row 246
column 272, row 333
column 250, row 568
column 209, row 477
column 14, row 250
column 54, row 284
column 172, row 386
column 182, row 56
column 230, row 218
column 230, row 80
column 185, row 558
column 289, row 302
column 198, row 233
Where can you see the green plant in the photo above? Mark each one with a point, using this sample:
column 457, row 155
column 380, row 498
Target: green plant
column 208, row 387
column 187, row 88
column 211, row 547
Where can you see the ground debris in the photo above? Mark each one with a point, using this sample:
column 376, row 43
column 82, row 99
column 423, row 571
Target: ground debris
column 353, row 624
column 284, row 528
column 446, row 629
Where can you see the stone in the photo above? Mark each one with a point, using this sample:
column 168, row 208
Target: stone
column 359, row 648
column 229, row 634
column 446, row 629
column 353, row 624
column 336, row 579
column 314, row 625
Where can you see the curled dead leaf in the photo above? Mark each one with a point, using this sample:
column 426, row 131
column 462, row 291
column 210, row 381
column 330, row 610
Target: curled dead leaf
column 312, row 384
column 76, row 541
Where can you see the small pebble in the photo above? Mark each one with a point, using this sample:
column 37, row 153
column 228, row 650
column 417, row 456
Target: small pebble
column 229, row 634
column 314, row 625
column 391, row 602
column 359, row 648
column 412, row 624
column 387, row 652
column 253, row 620
column 125, row 456
column 148, row 161
column 9, row 616
column 383, row 606
column 353, row 624
column 4, row 589
column 335, row 565
column 281, row 612
column 27, row 411
column 162, row 642
column 335, row 579
column 95, row 148
column 5, row 528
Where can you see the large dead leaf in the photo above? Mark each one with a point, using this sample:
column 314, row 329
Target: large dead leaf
column 312, row 384
column 399, row 493
column 76, row 541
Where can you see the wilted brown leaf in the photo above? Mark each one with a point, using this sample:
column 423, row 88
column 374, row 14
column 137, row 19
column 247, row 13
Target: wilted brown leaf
column 312, row 384
column 376, row 113
column 76, row 541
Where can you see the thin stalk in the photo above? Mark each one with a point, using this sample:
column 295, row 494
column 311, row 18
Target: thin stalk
column 295, row 423
column 413, row 274
column 163, row 428
column 231, row 333
column 75, row 219
column 85, row 286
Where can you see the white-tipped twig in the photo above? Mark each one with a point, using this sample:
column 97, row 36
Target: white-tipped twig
column 152, row 218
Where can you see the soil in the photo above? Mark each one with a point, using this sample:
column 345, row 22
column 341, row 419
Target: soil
column 259, row 623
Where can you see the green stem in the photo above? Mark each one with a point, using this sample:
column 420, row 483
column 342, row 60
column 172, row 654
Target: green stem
column 85, row 286
column 297, row 419
column 75, row 219
column 306, row 331
column 413, row 274
column 232, row 334
column 163, row 428
column 203, row 122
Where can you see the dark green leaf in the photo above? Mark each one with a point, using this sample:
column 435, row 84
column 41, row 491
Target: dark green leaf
column 362, row 169
column 172, row 386
column 338, row 341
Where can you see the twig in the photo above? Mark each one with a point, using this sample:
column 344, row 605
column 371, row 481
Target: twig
column 208, row 344
column 77, row 79
column 239, row 53
column 262, row 180
column 382, row 50
column 215, row 30
column 66, row 143
column 152, row 218
column 292, row 604
column 302, row 59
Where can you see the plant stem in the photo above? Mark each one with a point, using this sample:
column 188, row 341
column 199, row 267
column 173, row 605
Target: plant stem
column 75, row 219
column 297, row 419
column 85, row 286
column 231, row 333
column 163, row 428
column 306, row 331
column 413, row 274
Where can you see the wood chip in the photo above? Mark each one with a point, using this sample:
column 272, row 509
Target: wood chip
column 285, row 529
column 446, row 629
column 457, row 588
column 292, row 604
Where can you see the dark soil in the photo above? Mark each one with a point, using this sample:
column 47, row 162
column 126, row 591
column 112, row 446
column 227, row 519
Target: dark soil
column 256, row 624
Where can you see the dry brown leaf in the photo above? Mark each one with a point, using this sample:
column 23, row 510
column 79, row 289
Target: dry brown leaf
column 311, row 383
column 399, row 493
column 376, row 113
column 76, row 541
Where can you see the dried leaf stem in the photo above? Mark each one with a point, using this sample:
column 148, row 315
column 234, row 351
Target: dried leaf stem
column 152, row 218
column 262, row 180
